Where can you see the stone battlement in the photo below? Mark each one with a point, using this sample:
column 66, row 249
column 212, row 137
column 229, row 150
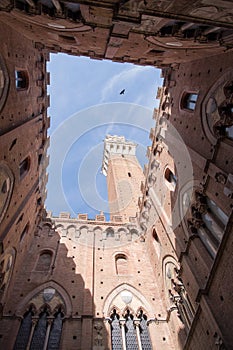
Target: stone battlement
column 117, row 219
column 116, row 145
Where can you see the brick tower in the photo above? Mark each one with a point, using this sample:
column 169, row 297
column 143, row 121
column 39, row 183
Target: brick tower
column 124, row 176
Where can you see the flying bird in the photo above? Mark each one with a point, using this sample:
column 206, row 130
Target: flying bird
column 122, row 92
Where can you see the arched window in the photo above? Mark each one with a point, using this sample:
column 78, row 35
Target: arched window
column 55, row 333
column 42, row 329
column 177, row 294
column 116, row 336
column 24, row 167
column 189, row 100
column 24, row 331
column 130, row 332
column 121, row 264
column 171, row 179
column 109, row 232
column 209, row 221
column 144, row 333
column 156, row 242
column 21, row 79
column 39, row 334
column 44, row 261
column 24, row 232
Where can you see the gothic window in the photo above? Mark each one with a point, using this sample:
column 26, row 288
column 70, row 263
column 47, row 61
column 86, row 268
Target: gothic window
column 171, row 179
column 156, row 242
column 24, row 232
column 42, row 329
column 188, row 101
column 44, row 261
column 209, row 221
column 109, row 232
column 130, row 332
column 24, row 331
column 116, row 336
column 24, row 167
column 177, row 294
column 21, row 79
column 121, row 264
column 39, row 334
column 55, row 333
column 144, row 333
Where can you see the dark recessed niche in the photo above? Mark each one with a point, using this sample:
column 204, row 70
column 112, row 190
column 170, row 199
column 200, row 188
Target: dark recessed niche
column 74, row 337
column 13, row 143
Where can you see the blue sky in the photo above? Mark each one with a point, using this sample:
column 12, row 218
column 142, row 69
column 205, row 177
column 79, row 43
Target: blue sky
column 85, row 106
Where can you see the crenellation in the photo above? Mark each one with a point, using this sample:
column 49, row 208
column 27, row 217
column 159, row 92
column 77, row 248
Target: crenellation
column 162, row 265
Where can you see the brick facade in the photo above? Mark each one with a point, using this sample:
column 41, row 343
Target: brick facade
column 171, row 261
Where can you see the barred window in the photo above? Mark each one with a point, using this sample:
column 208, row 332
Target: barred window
column 144, row 333
column 21, row 79
column 189, row 101
column 130, row 332
column 116, row 332
column 55, row 333
column 24, row 331
column 45, row 333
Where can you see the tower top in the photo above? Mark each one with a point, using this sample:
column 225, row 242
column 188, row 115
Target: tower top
column 114, row 144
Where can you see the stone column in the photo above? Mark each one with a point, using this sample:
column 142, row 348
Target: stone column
column 122, row 324
column 34, row 322
column 50, row 322
column 137, row 325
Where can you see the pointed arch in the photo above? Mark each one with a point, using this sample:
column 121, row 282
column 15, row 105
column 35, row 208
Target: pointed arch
column 51, row 284
column 110, row 300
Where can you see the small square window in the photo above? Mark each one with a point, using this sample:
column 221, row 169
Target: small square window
column 21, row 79
column 188, row 101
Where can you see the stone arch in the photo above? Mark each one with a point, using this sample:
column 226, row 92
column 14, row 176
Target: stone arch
column 110, row 232
column 128, row 309
column 110, row 300
column 185, row 202
column 141, row 309
column 44, row 260
column 97, row 228
column 71, row 231
column 116, row 308
column 59, row 226
column 168, row 274
column 22, row 306
column 83, row 230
